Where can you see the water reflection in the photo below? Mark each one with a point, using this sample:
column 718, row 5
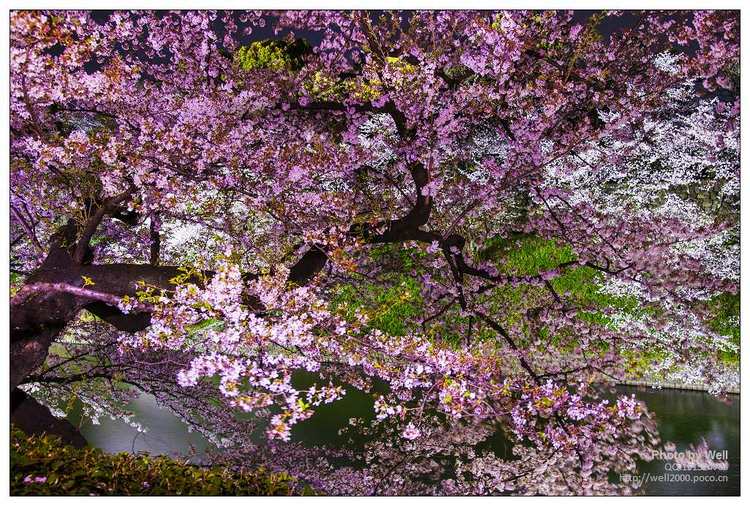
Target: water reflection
column 684, row 417
column 166, row 434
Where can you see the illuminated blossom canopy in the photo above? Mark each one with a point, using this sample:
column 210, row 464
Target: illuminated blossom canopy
column 478, row 220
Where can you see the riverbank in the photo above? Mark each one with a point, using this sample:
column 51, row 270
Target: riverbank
column 659, row 385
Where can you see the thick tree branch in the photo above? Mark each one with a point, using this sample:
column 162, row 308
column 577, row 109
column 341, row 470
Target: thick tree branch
column 107, row 207
column 44, row 290
column 155, row 236
column 310, row 264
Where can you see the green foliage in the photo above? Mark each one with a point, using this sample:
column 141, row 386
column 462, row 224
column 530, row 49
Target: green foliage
column 205, row 326
column 529, row 255
column 725, row 309
column 391, row 303
column 526, row 255
column 389, row 307
column 89, row 471
column 325, row 87
column 401, row 65
column 394, row 305
column 399, row 257
column 272, row 55
column 582, row 285
column 639, row 361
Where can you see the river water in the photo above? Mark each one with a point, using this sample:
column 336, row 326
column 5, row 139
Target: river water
column 684, row 417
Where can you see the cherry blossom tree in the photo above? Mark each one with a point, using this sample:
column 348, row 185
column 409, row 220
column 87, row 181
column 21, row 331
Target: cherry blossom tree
column 478, row 219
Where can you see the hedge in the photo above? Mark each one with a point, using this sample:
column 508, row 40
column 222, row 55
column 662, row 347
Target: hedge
column 44, row 465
